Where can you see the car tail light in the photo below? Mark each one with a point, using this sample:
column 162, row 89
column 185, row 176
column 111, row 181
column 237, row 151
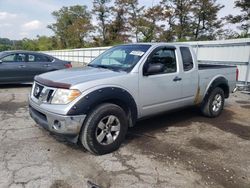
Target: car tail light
column 237, row 74
column 68, row 65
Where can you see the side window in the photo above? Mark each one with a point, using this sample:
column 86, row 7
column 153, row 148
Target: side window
column 41, row 58
column 8, row 58
column 49, row 59
column 20, row 57
column 31, row 58
column 165, row 57
column 186, row 58
column 45, row 58
column 14, row 58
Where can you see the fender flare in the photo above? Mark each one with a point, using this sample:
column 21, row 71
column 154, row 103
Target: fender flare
column 218, row 82
column 114, row 95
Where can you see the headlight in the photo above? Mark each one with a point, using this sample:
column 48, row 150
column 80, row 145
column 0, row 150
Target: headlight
column 65, row 96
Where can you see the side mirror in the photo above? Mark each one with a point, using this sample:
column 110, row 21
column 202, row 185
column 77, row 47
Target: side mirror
column 1, row 61
column 154, row 68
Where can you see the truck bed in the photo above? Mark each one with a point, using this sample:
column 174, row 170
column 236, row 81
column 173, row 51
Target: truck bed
column 208, row 72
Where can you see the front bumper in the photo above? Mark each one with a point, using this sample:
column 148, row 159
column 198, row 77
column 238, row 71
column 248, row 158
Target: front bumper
column 67, row 126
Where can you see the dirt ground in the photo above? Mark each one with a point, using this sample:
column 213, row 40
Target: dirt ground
column 180, row 149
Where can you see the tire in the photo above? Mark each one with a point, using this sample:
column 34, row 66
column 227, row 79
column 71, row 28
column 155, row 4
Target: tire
column 105, row 121
column 214, row 103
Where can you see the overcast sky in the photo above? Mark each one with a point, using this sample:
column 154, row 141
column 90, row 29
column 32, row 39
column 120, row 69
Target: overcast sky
column 29, row 18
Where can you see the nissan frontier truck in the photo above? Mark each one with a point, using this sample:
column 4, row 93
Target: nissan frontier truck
column 96, row 104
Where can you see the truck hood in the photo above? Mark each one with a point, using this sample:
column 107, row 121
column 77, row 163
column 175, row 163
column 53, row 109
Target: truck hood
column 73, row 76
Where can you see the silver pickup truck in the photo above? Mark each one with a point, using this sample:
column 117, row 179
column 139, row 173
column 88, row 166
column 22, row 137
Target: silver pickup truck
column 96, row 104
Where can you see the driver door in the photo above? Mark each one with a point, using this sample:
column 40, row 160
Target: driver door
column 12, row 68
column 161, row 91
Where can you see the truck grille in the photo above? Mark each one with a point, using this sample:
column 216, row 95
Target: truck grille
column 42, row 93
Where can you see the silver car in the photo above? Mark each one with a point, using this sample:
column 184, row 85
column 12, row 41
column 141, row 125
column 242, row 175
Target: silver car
column 96, row 104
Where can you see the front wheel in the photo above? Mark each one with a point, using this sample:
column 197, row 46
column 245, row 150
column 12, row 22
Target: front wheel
column 214, row 103
column 105, row 129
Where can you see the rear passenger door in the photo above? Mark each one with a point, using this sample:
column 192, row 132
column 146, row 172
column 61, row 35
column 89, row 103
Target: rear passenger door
column 38, row 64
column 189, row 75
column 45, row 62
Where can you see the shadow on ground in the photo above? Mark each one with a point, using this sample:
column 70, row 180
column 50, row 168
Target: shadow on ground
column 202, row 161
column 185, row 117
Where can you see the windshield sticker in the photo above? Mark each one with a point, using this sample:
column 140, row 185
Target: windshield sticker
column 137, row 53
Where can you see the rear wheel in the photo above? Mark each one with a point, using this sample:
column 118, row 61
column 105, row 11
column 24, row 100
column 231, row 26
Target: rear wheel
column 214, row 103
column 105, row 129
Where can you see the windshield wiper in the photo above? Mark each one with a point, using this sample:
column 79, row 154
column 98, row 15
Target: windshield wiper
column 99, row 66
column 105, row 67
column 90, row 65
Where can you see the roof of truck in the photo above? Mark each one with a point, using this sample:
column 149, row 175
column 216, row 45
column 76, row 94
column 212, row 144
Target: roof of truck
column 158, row 43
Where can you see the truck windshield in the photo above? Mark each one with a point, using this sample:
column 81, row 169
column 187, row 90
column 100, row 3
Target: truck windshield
column 120, row 58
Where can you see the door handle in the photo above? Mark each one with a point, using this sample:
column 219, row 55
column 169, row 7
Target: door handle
column 177, row 79
column 21, row 66
column 47, row 65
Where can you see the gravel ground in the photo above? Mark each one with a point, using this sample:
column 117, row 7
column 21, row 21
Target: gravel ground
column 180, row 149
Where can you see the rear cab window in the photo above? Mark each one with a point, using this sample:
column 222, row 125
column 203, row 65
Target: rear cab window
column 187, row 58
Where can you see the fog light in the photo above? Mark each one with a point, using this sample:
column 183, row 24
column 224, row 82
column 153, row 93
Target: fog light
column 57, row 124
